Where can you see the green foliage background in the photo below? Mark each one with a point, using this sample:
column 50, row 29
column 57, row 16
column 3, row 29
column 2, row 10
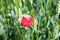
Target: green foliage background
column 46, row 14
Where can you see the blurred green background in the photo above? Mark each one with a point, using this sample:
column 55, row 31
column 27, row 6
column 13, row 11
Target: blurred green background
column 46, row 14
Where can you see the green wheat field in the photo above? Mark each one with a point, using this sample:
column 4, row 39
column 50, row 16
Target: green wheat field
column 46, row 14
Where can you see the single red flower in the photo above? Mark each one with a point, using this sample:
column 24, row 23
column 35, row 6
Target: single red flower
column 26, row 20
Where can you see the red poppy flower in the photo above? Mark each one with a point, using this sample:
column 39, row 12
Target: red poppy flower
column 25, row 20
